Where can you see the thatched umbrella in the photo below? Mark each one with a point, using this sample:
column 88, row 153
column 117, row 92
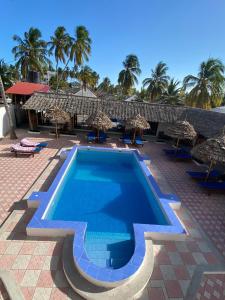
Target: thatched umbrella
column 137, row 123
column 181, row 130
column 99, row 121
column 211, row 151
column 57, row 116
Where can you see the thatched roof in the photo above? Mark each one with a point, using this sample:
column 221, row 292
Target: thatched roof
column 181, row 130
column 138, row 122
column 212, row 150
column 100, row 121
column 207, row 123
column 57, row 115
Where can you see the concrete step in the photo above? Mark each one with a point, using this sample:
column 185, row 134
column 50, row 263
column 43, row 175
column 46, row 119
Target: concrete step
column 125, row 291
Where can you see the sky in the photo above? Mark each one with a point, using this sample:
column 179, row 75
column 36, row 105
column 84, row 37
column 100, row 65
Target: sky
column 182, row 33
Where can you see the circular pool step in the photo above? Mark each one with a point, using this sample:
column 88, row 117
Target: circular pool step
column 90, row 291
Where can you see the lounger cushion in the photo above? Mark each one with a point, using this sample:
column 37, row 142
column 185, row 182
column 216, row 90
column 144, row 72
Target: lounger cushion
column 22, row 149
column 27, row 143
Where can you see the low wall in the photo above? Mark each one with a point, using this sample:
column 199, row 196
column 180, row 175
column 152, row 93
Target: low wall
column 4, row 123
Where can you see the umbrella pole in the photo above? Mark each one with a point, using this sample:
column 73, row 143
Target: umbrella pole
column 98, row 135
column 178, row 140
column 134, row 135
column 209, row 170
column 56, row 130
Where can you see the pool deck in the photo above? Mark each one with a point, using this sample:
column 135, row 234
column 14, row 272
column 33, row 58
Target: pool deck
column 35, row 263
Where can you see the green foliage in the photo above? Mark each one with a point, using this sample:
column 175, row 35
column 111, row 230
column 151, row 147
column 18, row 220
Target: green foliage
column 128, row 76
column 105, row 86
column 157, row 83
column 87, row 77
column 8, row 73
column 173, row 94
column 56, row 84
column 30, row 52
column 80, row 46
column 60, row 44
column 206, row 90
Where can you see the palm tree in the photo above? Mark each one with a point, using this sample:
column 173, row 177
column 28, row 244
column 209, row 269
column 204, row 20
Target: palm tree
column 207, row 88
column 8, row 113
column 60, row 44
column 87, row 77
column 31, row 52
column 81, row 46
column 128, row 76
column 157, row 83
column 8, row 73
column 173, row 94
column 105, row 85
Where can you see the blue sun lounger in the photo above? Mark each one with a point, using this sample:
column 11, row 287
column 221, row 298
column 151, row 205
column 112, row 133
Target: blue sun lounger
column 174, row 151
column 217, row 186
column 138, row 141
column 91, row 137
column 127, row 141
column 180, row 155
column 202, row 175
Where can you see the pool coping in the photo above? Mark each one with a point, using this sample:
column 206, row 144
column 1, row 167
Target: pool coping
column 98, row 275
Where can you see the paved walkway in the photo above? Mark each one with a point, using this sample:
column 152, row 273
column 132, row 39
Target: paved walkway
column 35, row 263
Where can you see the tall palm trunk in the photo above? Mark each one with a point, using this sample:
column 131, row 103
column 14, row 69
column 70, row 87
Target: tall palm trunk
column 8, row 113
column 57, row 74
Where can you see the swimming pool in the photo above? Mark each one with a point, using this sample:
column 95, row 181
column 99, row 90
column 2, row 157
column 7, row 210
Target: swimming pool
column 110, row 201
column 108, row 191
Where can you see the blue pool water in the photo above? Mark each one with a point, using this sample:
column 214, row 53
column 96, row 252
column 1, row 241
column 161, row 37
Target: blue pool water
column 108, row 190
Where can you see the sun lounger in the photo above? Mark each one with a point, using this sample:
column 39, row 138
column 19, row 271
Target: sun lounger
column 180, row 155
column 174, row 151
column 217, row 186
column 27, row 143
column 202, row 175
column 91, row 137
column 127, row 141
column 139, row 142
column 17, row 149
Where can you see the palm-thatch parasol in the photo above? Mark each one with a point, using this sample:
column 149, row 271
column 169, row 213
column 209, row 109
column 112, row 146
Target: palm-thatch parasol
column 57, row 116
column 211, row 151
column 181, row 130
column 99, row 121
column 137, row 123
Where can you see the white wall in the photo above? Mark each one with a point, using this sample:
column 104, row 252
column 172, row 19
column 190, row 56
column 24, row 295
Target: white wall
column 4, row 124
column 86, row 93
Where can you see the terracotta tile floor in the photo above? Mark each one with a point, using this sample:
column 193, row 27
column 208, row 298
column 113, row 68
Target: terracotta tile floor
column 36, row 263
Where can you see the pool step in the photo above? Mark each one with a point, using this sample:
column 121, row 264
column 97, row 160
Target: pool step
column 112, row 252
column 90, row 291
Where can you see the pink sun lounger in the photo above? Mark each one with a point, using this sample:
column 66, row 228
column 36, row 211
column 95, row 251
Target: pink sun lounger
column 17, row 148
column 26, row 143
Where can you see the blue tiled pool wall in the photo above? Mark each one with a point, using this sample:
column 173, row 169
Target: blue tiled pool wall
column 93, row 272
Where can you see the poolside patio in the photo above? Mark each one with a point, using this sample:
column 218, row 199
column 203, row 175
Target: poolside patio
column 35, row 263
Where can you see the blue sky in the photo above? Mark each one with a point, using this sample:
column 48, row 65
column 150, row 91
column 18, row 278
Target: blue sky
column 182, row 33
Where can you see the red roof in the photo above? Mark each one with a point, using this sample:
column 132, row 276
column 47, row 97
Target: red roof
column 27, row 88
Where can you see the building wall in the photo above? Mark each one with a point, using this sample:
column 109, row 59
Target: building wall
column 86, row 93
column 4, row 124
